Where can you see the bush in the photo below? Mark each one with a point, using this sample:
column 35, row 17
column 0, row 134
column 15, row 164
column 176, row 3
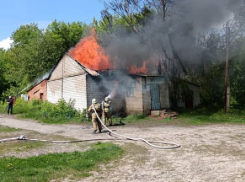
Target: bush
column 48, row 112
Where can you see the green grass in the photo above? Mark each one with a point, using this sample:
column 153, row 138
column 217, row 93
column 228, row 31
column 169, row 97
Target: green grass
column 36, row 115
column 206, row 116
column 46, row 112
column 62, row 113
column 19, row 146
column 8, row 129
column 14, row 146
column 3, row 108
column 197, row 117
column 44, row 168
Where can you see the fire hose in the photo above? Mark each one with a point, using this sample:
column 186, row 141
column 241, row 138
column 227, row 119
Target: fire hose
column 173, row 145
column 23, row 137
column 121, row 137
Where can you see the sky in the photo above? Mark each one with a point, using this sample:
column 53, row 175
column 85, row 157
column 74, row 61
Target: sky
column 14, row 13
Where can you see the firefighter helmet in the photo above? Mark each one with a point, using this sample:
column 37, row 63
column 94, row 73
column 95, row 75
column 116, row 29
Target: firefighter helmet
column 94, row 101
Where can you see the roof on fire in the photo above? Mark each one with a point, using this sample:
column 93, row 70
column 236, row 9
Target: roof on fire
column 89, row 71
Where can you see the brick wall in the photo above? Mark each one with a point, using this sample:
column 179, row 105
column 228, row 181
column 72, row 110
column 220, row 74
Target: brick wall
column 39, row 91
column 134, row 104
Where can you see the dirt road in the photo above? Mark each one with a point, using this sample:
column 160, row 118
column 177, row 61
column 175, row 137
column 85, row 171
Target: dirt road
column 212, row 153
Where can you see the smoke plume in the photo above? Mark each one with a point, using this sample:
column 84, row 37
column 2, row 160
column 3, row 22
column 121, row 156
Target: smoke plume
column 170, row 39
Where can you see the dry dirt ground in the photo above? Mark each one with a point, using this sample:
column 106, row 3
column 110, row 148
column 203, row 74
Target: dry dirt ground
column 212, row 153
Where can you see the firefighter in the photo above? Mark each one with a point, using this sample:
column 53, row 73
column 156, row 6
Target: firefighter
column 106, row 115
column 95, row 119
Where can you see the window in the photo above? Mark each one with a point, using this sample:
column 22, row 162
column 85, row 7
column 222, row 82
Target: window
column 130, row 89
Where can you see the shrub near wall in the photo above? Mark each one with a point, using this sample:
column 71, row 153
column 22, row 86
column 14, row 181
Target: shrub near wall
column 47, row 112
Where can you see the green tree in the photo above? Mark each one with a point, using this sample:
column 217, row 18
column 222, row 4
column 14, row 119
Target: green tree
column 3, row 81
column 25, row 34
column 22, row 56
column 237, row 70
column 35, row 51
column 57, row 40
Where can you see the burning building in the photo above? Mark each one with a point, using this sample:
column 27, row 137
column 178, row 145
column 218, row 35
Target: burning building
column 86, row 72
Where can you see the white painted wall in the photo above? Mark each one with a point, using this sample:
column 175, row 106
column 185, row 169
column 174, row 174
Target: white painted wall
column 74, row 88
column 54, row 91
column 68, row 81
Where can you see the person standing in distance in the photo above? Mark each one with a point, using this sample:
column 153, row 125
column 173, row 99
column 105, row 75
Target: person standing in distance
column 10, row 105
column 95, row 119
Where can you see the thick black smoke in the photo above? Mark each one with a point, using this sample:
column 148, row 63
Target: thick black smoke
column 161, row 39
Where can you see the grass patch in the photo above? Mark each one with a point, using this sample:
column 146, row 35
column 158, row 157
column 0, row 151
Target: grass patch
column 14, row 146
column 58, row 165
column 19, row 146
column 63, row 112
column 203, row 117
column 8, row 129
column 3, row 108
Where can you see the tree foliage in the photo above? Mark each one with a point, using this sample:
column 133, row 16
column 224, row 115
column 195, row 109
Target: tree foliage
column 237, row 70
column 35, row 51
column 3, row 81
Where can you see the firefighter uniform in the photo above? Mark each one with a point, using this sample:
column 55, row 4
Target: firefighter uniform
column 95, row 119
column 106, row 115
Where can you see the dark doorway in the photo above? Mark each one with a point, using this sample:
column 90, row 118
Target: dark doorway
column 188, row 102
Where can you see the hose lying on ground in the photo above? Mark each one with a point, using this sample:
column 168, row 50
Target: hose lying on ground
column 22, row 137
column 171, row 145
column 121, row 137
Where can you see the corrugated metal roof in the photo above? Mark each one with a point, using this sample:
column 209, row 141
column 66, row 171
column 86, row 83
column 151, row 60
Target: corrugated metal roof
column 37, row 81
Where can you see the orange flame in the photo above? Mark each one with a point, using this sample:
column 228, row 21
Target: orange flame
column 135, row 70
column 89, row 53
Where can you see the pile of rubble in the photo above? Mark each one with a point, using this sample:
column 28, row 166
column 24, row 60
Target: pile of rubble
column 163, row 114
